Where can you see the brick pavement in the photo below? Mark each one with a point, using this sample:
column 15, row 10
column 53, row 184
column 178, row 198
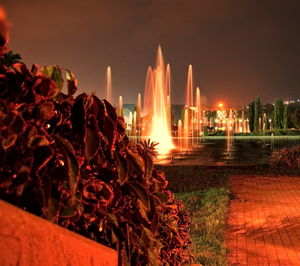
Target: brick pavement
column 264, row 221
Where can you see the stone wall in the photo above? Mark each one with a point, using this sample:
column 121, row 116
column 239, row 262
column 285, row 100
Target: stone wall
column 26, row 239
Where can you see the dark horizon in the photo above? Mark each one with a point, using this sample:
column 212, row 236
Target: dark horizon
column 239, row 50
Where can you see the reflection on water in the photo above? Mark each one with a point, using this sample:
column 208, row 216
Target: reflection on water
column 233, row 151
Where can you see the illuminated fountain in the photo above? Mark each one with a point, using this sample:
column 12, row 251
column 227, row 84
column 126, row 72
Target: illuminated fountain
column 192, row 123
column 139, row 116
column 186, row 129
column 168, row 89
column 120, row 107
column 129, row 123
column 153, row 119
column 236, row 125
column 247, row 126
column 157, row 105
column 244, row 126
column 189, row 88
column 199, row 112
column 108, row 85
column 134, row 127
column 189, row 103
column 180, row 135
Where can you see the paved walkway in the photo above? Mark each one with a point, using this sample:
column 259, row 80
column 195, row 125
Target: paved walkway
column 264, row 221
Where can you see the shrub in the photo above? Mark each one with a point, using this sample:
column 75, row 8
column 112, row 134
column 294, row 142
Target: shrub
column 69, row 160
column 286, row 158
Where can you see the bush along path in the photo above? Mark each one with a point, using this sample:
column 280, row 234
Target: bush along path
column 68, row 159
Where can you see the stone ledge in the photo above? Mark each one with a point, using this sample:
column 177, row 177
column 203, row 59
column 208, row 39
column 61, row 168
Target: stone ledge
column 26, row 239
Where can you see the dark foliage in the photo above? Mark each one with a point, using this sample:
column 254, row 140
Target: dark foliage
column 9, row 58
column 278, row 114
column 251, row 116
column 286, row 117
column 257, row 113
column 286, row 158
column 69, row 160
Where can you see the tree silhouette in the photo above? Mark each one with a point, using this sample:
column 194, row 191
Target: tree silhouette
column 278, row 113
column 9, row 58
column 286, row 118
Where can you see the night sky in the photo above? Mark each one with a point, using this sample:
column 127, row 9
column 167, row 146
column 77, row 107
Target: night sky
column 239, row 49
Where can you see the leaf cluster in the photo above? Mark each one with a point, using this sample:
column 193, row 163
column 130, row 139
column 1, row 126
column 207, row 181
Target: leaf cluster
column 68, row 159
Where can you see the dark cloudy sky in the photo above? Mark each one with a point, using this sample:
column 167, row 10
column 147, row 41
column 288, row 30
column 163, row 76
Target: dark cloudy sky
column 239, row 49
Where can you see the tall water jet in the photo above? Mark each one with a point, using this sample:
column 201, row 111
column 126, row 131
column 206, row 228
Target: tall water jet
column 211, row 122
column 133, row 127
column 236, row 125
column 229, row 134
column 186, row 129
column 130, row 117
column 180, row 135
column 264, row 122
column 108, row 85
column 259, row 124
column 158, row 125
column 247, row 126
column 199, row 111
column 139, row 114
column 240, row 126
column 168, row 92
column 189, row 101
column 120, row 107
column 189, row 88
column 148, row 96
column 244, row 122
column 129, row 125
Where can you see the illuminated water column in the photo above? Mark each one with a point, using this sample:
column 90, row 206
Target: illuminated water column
column 129, row 125
column 244, row 122
column 199, row 112
column 180, row 135
column 229, row 132
column 189, row 88
column 133, row 127
column 120, row 107
column 205, row 120
column 148, row 96
column 240, row 125
column 264, row 122
column 138, row 115
column 186, row 129
column 236, row 125
column 156, row 106
column 108, row 85
column 189, row 102
column 247, row 126
column 168, row 93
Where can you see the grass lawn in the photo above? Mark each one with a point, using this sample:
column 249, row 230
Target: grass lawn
column 208, row 210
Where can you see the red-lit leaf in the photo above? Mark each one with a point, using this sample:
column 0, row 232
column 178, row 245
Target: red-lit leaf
column 92, row 143
column 10, row 141
column 72, row 83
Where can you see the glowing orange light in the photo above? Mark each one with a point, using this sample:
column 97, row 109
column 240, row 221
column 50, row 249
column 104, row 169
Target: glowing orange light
column 221, row 105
